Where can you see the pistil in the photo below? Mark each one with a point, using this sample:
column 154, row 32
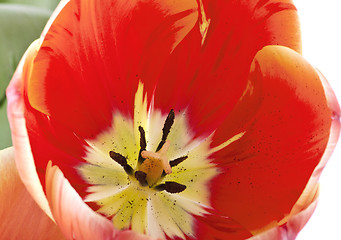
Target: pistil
column 155, row 163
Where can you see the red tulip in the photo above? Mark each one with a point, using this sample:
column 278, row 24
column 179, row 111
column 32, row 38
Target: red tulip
column 171, row 120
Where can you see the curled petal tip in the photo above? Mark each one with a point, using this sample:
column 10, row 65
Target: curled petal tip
column 73, row 216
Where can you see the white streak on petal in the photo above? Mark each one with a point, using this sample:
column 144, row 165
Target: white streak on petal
column 100, row 158
column 166, row 219
column 153, row 227
column 140, row 113
column 191, row 206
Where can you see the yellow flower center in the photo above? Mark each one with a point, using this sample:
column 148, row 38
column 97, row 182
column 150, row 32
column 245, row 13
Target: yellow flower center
column 149, row 173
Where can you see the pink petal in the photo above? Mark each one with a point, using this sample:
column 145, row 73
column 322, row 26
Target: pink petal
column 130, row 235
column 75, row 219
column 21, row 217
column 23, row 154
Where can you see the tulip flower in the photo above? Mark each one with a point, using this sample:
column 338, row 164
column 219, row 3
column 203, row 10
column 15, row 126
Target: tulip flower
column 149, row 119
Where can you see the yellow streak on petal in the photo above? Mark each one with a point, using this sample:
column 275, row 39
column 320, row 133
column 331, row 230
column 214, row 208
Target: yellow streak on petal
column 228, row 142
column 173, row 220
column 139, row 218
column 35, row 87
column 204, row 22
column 140, row 113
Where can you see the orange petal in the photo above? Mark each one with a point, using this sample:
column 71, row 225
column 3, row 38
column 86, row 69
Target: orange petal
column 21, row 217
column 75, row 219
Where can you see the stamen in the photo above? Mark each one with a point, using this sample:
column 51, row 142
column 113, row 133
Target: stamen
column 141, row 177
column 166, row 128
column 171, row 187
column 143, row 144
column 177, row 161
column 122, row 161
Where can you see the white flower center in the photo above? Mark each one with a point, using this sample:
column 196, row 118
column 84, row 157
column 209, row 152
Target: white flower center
column 177, row 172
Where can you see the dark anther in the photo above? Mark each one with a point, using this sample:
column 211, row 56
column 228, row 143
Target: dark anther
column 171, row 187
column 141, row 177
column 143, row 144
column 177, row 161
column 118, row 158
column 122, row 161
column 166, row 128
column 128, row 169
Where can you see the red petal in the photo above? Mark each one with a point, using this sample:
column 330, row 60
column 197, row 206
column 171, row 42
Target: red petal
column 287, row 121
column 209, row 79
column 94, row 54
column 21, row 217
column 265, row 22
column 212, row 226
column 33, row 154
column 290, row 229
column 85, row 70
column 118, row 53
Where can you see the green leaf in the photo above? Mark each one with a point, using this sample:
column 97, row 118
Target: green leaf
column 5, row 133
column 50, row 4
column 19, row 26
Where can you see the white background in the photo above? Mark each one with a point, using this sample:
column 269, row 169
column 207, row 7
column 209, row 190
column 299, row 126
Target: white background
column 321, row 33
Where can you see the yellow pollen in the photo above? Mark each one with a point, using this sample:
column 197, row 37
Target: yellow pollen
column 155, row 163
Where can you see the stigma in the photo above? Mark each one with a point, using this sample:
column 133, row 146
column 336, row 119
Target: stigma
column 155, row 163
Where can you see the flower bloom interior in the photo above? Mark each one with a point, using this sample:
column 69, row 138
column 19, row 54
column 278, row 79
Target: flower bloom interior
column 172, row 119
column 148, row 173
